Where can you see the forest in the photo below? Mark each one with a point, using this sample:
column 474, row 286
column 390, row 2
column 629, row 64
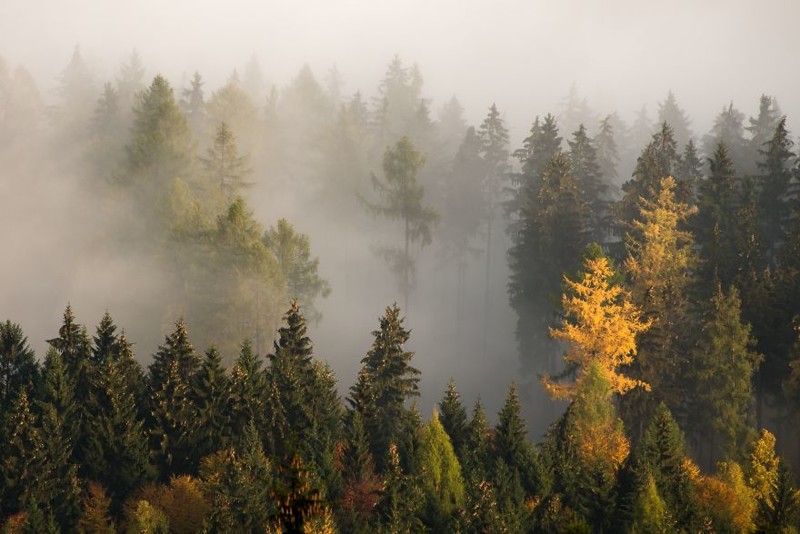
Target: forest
column 644, row 277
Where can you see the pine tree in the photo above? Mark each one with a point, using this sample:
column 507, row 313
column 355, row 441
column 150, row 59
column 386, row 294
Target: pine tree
column 728, row 129
column 453, row 417
column 605, row 144
column 361, row 485
column 402, row 199
column 775, row 172
column 160, row 148
column 723, row 367
column 224, row 167
column 289, row 378
column 210, row 395
column 761, row 129
column 670, row 113
column 116, row 452
column 385, row 382
column 18, row 368
column 475, row 458
column 662, row 453
column 245, row 400
column 716, row 225
column 659, row 159
column 57, row 483
column 22, row 457
column 171, row 411
column 589, row 180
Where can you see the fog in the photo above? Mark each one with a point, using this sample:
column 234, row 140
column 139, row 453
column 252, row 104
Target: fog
column 525, row 56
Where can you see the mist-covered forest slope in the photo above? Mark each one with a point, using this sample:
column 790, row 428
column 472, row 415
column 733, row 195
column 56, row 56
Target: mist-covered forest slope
column 639, row 283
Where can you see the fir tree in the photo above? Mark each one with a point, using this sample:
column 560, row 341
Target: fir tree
column 402, row 199
column 245, row 391
column 385, row 382
column 224, row 167
column 775, row 172
column 361, row 485
column 761, row 129
column 608, row 159
column 18, row 368
column 210, row 395
column 453, row 417
column 670, row 113
column 728, row 129
column 723, row 368
column 589, row 180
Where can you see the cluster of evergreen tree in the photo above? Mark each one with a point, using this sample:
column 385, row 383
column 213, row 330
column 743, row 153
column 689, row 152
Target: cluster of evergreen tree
column 91, row 442
column 706, row 248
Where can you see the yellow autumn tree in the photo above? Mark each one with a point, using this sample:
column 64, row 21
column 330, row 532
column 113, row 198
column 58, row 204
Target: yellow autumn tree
column 600, row 325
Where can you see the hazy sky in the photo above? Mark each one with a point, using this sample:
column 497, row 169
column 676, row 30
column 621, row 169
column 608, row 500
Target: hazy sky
column 522, row 54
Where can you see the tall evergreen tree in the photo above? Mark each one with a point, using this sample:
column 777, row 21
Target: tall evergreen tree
column 608, row 158
column 670, row 113
column 170, row 420
column 402, row 199
column 775, row 169
column 18, row 368
column 589, row 180
column 660, row 264
column 728, row 129
column 224, row 167
column 723, row 367
column 211, row 399
column 440, row 476
column 385, row 382
column 453, row 417
column 761, row 129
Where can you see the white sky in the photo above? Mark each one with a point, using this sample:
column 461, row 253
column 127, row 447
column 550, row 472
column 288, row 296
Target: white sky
column 522, row 54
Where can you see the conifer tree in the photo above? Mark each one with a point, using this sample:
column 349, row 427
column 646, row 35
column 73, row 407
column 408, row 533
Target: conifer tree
column 193, row 105
column 662, row 452
column 728, row 129
column 591, row 183
column 475, row 457
column 361, row 485
column 96, row 512
column 440, row 475
column 18, row 368
column 402, row 199
column 777, row 160
column 688, row 173
column 57, row 408
column 661, row 259
column 385, row 382
column 245, row 400
column 22, row 456
column 211, row 399
column 659, row 159
column 453, row 417
column 601, row 324
column 224, row 167
column 723, row 367
column 670, row 113
column 761, row 129
column 171, row 411
column 160, row 148
column 605, row 144
column 289, row 379
column 400, row 499
column 716, row 225
column 115, row 452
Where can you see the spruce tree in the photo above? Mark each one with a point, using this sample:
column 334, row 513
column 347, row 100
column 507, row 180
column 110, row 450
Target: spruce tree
column 761, row 129
column 171, row 410
column 210, row 395
column 723, row 367
column 453, row 417
column 23, row 449
column 605, row 144
column 775, row 175
column 591, row 183
column 475, row 458
column 360, row 483
column 385, row 382
column 245, row 391
column 728, row 129
column 225, row 169
column 18, row 368
column 670, row 113
column 402, row 199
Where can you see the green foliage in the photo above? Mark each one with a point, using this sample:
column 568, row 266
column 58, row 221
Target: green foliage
column 724, row 366
column 385, row 382
column 402, row 199
column 453, row 417
column 211, row 398
column 440, row 476
column 650, row 513
column 18, row 369
column 297, row 270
